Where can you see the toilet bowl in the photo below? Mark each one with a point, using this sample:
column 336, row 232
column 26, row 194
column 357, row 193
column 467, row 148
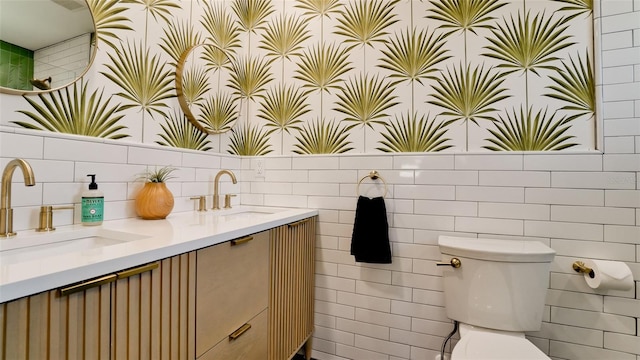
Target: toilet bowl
column 486, row 344
column 496, row 290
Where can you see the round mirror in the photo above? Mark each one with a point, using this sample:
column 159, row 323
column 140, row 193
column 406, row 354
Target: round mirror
column 202, row 77
column 44, row 44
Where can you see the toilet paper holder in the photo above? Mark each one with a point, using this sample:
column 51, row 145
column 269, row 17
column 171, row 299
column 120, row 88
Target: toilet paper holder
column 580, row 267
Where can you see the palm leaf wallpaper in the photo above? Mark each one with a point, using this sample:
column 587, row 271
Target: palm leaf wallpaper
column 335, row 76
column 179, row 132
column 525, row 131
column 221, row 27
column 178, row 38
column 410, row 134
column 528, row 43
column 145, row 81
column 108, row 18
column 463, row 15
column 74, row 111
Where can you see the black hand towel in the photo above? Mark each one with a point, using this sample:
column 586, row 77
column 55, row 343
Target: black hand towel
column 370, row 240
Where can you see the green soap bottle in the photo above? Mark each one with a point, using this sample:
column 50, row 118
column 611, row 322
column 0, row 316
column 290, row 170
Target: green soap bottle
column 92, row 204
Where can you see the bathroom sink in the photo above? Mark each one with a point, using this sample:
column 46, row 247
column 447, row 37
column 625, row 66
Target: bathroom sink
column 32, row 246
column 241, row 214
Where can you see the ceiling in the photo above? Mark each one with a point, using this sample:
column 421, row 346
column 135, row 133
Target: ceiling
column 35, row 24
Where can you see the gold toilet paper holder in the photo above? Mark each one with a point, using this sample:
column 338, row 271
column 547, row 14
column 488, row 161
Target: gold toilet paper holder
column 580, row 267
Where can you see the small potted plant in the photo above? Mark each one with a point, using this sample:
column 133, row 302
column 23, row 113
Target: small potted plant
column 155, row 200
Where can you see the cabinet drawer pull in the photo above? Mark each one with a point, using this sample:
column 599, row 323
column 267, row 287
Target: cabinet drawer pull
column 241, row 240
column 294, row 224
column 243, row 329
column 137, row 270
column 88, row 284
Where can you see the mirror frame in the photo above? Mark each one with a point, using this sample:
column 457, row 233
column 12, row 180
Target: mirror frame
column 10, row 91
column 180, row 92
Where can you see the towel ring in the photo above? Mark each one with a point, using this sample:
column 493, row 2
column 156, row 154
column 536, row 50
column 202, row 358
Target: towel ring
column 373, row 175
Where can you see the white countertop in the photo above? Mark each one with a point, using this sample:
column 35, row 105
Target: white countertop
column 147, row 241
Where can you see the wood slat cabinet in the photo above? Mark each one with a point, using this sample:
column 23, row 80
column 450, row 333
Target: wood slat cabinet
column 291, row 295
column 140, row 315
column 153, row 312
column 239, row 300
column 50, row 326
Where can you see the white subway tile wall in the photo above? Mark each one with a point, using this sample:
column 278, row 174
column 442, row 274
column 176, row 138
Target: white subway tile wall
column 64, row 61
column 61, row 164
column 582, row 205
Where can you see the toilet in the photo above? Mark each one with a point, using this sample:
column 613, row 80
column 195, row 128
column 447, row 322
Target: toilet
column 496, row 290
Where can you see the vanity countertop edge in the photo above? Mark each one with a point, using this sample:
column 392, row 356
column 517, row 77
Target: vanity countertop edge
column 179, row 233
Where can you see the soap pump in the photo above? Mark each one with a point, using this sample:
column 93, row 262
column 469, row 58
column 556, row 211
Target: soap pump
column 92, row 204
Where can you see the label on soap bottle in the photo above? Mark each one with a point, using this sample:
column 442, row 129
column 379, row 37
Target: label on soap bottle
column 92, row 209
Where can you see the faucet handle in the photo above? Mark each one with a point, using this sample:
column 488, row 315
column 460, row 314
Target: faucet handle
column 227, row 200
column 202, row 202
column 46, row 216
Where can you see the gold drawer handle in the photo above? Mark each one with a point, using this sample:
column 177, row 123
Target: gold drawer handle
column 243, row 329
column 107, row 279
column 294, row 224
column 241, row 240
column 88, row 285
column 138, row 270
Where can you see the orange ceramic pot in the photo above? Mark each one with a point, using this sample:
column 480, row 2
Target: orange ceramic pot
column 154, row 201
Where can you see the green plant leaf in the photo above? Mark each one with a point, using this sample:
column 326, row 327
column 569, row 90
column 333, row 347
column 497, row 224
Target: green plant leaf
column 576, row 86
column 250, row 76
column 178, row 38
column 410, row 134
column 322, row 137
column 180, row 133
column 321, row 67
column 365, row 22
column 222, row 29
column 75, row 113
column 462, row 15
column 157, row 8
column 318, row 8
column 218, row 113
column 284, row 35
column 107, row 17
column 146, row 82
column 157, row 175
column 365, row 100
column 413, row 57
column 283, row 107
column 528, row 132
column 528, row 44
column 469, row 94
column 252, row 14
column 249, row 141
column 578, row 7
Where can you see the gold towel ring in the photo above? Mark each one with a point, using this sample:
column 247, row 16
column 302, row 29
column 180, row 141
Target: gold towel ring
column 373, row 175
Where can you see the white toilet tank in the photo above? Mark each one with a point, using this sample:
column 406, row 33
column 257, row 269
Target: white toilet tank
column 501, row 284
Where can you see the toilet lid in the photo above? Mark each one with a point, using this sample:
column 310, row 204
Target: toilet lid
column 477, row 345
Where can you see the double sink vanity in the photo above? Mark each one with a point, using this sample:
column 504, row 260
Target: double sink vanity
column 228, row 284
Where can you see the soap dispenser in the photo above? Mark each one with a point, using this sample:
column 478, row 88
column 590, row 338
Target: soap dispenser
column 92, row 204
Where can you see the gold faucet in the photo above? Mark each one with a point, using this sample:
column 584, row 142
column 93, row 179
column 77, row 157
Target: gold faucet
column 6, row 212
column 216, row 184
